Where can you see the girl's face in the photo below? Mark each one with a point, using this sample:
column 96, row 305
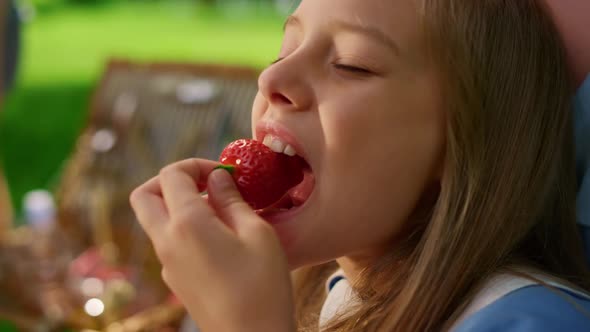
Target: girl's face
column 355, row 94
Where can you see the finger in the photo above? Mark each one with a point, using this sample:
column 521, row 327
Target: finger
column 181, row 195
column 198, row 169
column 191, row 215
column 153, row 186
column 149, row 210
column 228, row 203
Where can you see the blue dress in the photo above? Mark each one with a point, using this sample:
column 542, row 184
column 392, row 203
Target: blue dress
column 532, row 309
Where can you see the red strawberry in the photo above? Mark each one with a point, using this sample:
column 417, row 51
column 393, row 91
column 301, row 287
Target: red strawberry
column 262, row 176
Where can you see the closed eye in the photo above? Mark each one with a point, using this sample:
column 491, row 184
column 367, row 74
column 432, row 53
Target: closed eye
column 352, row 69
column 339, row 66
column 276, row 61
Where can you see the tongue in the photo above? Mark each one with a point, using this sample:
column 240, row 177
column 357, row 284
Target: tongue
column 294, row 197
column 301, row 192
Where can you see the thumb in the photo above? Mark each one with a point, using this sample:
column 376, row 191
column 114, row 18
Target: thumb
column 227, row 201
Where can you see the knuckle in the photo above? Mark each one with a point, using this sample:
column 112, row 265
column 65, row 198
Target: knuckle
column 191, row 166
column 193, row 162
column 165, row 276
column 164, row 252
column 184, row 220
column 165, row 171
column 135, row 196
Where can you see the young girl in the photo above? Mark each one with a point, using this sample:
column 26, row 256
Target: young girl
column 439, row 135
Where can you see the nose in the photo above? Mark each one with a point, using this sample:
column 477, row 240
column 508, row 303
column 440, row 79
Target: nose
column 284, row 85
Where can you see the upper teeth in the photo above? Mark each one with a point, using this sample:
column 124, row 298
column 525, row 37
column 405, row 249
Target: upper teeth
column 278, row 146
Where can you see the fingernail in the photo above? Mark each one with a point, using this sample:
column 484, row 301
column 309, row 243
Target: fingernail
column 220, row 179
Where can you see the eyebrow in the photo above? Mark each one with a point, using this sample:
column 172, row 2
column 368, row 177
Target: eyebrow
column 370, row 31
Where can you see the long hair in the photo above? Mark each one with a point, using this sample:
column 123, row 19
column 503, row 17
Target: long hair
column 507, row 193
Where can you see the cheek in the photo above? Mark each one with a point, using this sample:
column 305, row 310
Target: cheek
column 355, row 129
column 402, row 132
column 387, row 154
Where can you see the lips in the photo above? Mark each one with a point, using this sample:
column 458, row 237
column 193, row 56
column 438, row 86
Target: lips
column 279, row 139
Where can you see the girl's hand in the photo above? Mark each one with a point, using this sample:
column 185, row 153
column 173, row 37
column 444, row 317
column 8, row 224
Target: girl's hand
column 222, row 261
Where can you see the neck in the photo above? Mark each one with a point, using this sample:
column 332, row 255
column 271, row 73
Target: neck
column 354, row 265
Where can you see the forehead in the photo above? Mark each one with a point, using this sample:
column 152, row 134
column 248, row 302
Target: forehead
column 396, row 18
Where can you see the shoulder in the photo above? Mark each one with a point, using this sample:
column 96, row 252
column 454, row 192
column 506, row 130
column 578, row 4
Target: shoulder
column 532, row 308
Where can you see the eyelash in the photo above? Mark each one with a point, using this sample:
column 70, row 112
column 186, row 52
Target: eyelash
column 348, row 68
column 353, row 69
column 276, row 61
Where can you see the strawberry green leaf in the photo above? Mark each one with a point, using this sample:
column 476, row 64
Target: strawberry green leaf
column 231, row 169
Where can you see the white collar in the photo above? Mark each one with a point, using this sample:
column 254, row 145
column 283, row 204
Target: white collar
column 340, row 297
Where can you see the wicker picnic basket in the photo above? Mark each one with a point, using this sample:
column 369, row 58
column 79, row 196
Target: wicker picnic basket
column 142, row 117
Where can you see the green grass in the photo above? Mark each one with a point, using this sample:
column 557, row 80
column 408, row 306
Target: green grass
column 7, row 327
column 65, row 50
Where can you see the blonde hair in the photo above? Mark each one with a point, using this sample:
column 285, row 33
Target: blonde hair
column 507, row 194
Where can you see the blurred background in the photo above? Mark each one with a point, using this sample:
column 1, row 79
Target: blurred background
column 105, row 93
column 67, row 43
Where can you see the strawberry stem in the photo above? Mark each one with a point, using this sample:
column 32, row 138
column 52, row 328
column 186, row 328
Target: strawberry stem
column 231, row 169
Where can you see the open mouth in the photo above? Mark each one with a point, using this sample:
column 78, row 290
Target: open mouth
column 293, row 199
column 280, row 140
